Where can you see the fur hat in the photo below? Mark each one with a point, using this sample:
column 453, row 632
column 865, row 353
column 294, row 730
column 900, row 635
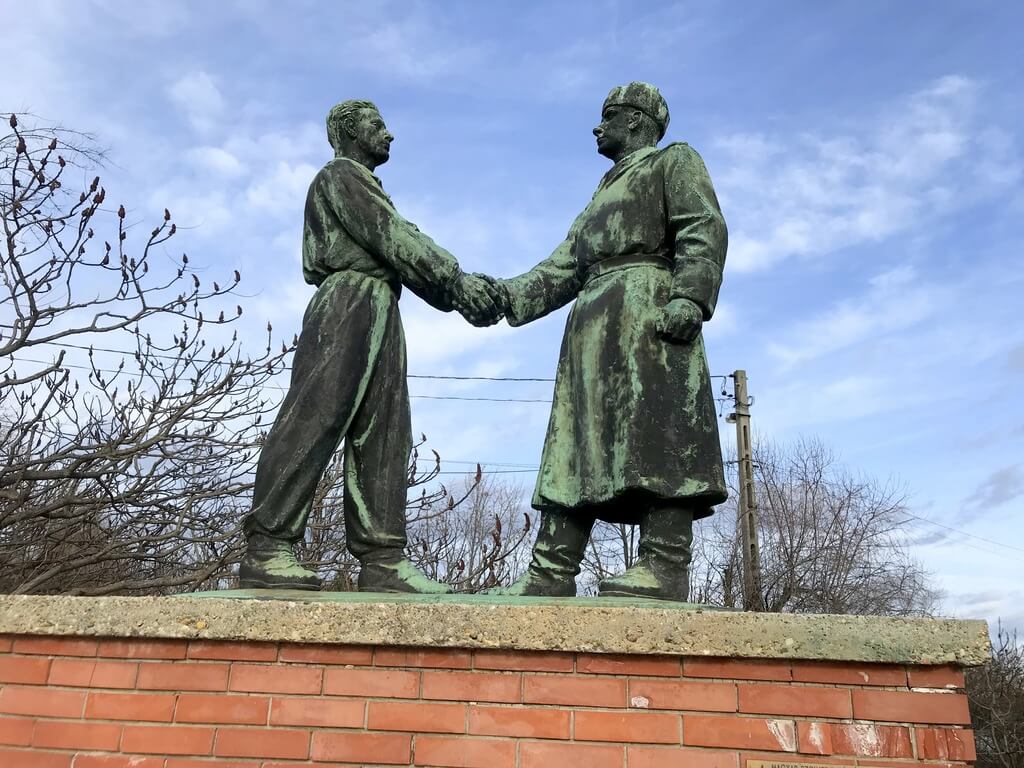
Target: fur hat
column 642, row 96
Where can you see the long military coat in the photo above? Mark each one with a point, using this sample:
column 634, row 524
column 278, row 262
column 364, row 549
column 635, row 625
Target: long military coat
column 632, row 411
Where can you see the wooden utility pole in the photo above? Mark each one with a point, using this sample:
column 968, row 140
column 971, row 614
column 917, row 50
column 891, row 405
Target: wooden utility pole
column 753, row 599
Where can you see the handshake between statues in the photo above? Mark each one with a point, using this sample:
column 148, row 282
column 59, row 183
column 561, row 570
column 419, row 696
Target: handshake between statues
column 484, row 300
column 479, row 298
column 632, row 437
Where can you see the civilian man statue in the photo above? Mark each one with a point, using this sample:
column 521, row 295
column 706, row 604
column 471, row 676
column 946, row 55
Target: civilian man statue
column 633, row 436
column 349, row 372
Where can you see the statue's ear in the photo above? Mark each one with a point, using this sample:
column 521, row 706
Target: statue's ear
column 636, row 118
column 349, row 126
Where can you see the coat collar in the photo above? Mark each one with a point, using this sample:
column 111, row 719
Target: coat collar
column 629, row 161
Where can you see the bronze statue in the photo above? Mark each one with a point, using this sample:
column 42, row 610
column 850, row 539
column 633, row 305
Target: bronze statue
column 633, row 434
column 349, row 372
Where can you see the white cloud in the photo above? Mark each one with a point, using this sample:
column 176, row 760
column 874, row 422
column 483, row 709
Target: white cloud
column 216, row 160
column 569, row 71
column 145, row 18
column 494, row 239
column 435, row 338
column 815, row 195
column 282, row 191
column 282, row 304
column 303, row 141
column 287, row 245
column 1015, row 358
column 896, row 301
column 411, row 47
column 788, row 408
column 1000, row 487
column 197, row 96
column 725, row 322
column 206, row 212
column 394, row 40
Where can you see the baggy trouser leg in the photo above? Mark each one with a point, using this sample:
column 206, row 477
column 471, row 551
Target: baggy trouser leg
column 561, row 541
column 376, row 463
column 377, row 448
column 330, row 371
column 662, row 568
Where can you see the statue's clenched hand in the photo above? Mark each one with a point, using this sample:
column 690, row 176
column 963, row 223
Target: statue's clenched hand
column 680, row 321
column 479, row 298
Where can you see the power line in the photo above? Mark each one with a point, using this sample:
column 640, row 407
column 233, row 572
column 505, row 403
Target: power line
column 469, row 378
column 280, row 388
column 513, row 399
column 922, row 518
column 285, row 389
column 478, row 399
column 963, row 533
column 978, row 548
column 288, row 367
column 492, row 472
column 525, row 467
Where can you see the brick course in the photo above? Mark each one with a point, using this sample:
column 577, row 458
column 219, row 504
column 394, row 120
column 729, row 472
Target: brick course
column 143, row 703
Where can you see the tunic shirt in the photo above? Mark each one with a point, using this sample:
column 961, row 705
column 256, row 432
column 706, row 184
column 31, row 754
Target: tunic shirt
column 351, row 226
column 349, row 372
column 632, row 411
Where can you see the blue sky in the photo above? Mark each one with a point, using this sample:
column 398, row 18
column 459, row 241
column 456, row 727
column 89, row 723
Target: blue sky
column 867, row 156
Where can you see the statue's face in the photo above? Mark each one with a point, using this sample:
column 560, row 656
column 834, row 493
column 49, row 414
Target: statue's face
column 613, row 131
column 373, row 136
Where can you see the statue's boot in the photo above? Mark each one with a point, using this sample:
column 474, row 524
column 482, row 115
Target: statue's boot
column 270, row 564
column 561, row 541
column 661, row 570
column 397, row 574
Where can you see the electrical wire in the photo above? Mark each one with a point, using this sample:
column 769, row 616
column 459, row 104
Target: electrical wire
column 288, row 367
column 280, row 388
column 930, row 521
column 719, row 400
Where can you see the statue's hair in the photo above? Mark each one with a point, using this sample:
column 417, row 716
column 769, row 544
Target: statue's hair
column 341, row 114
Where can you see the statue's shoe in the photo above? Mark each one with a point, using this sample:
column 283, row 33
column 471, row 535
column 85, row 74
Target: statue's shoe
column 275, row 569
column 647, row 580
column 537, row 583
column 398, row 576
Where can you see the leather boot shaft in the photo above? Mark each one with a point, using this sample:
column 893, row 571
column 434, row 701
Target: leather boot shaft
column 661, row 571
column 561, row 541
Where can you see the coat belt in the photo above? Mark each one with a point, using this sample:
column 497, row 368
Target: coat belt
column 625, row 260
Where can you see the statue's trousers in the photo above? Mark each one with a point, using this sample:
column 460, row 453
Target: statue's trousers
column 348, row 382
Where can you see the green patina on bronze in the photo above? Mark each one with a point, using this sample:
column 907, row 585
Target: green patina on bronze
column 633, row 433
column 632, row 409
column 349, row 371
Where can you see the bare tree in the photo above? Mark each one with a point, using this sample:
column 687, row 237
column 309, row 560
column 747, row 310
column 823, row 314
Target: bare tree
column 478, row 537
column 831, row 541
column 716, row 575
column 613, row 547
column 130, row 422
column 129, row 417
column 472, row 536
column 996, row 694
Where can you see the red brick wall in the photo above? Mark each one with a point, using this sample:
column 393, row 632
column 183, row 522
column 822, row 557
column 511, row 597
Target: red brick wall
column 105, row 703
